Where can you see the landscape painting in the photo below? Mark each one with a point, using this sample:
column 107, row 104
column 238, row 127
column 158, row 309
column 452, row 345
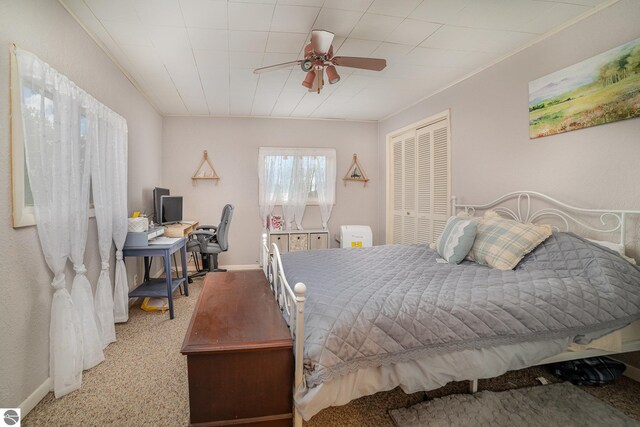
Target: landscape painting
column 599, row 90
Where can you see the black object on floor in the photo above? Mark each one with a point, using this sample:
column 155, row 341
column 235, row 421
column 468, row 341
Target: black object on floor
column 595, row 371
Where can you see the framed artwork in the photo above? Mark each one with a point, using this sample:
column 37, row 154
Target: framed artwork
column 598, row 90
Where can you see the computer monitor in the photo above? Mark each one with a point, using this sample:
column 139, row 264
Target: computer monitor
column 157, row 195
column 170, row 209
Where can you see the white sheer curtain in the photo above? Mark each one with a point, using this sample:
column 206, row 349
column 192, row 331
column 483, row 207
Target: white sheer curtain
column 46, row 100
column 80, row 171
column 69, row 136
column 325, row 186
column 101, row 168
column 119, row 215
column 289, row 176
column 270, row 172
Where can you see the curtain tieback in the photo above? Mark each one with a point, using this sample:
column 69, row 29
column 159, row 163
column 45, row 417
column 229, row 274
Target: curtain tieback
column 105, row 265
column 119, row 256
column 59, row 282
column 80, row 269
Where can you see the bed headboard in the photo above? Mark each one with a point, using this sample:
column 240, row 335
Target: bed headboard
column 532, row 206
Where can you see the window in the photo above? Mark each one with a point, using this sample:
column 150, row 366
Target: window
column 284, row 170
column 23, row 212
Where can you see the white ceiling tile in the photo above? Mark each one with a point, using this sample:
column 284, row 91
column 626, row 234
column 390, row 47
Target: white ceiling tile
column 115, row 10
column 375, row 27
column 288, row 100
column 208, row 39
column 127, row 32
column 254, row 1
column 449, row 58
column 214, row 75
column 412, row 32
column 440, row 11
column 159, row 12
column 278, row 58
column 357, row 47
column 472, row 39
column 205, row 13
column 250, row 16
column 250, row 60
column 317, row 3
column 339, row 22
column 357, row 5
column 286, row 42
column 168, row 40
column 401, row 8
column 294, row 19
column 559, row 14
column 243, row 86
column 248, row 41
column 502, row 14
column 391, row 50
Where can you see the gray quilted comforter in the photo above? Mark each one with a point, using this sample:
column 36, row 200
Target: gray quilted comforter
column 387, row 304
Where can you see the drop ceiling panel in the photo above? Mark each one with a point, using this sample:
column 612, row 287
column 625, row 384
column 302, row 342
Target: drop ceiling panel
column 198, row 56
column 250, row 16
column 293, row 19
column 205, row 13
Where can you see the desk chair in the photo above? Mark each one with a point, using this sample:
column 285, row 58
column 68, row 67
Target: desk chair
column 209, row 241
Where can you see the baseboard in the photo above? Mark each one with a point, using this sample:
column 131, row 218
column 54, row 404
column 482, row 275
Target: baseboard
column 241, row 267
column 34, row 398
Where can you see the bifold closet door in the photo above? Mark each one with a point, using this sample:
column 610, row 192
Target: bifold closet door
column 434, row 187
column 404, row 188
column 420, row 181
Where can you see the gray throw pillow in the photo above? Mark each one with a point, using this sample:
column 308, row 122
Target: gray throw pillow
column 456, row 240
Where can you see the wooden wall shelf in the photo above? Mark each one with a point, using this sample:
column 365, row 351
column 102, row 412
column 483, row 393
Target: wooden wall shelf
column 201, row 173
column 355, row 172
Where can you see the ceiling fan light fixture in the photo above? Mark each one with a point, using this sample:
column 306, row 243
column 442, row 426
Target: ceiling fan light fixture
column 332, row 74
column 309, row 79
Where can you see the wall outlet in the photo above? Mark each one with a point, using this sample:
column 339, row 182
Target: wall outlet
column 135, row 280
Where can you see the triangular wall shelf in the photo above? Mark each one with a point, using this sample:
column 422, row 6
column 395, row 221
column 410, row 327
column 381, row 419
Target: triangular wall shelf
column 355, row 172
column 205, row 169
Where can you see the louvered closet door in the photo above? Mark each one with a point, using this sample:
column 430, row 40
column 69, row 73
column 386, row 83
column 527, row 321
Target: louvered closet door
column 420, row 184
column 433, row 191
column 404, row 188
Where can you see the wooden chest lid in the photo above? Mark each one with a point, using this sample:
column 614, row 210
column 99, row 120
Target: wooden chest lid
column 236, row 311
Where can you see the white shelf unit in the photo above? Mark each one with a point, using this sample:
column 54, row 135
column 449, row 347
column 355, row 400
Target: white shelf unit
column 299, row 240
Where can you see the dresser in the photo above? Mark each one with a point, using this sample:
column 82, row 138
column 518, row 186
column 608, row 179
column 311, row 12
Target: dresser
column 239, row 354
column 299, row 240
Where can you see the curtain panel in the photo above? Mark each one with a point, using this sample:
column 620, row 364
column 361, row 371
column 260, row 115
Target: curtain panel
column 68, row 141
column 294, row 178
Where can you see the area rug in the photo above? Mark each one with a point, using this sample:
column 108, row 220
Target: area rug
column 561, row 404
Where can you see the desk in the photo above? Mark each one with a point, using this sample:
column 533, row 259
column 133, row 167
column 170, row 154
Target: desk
column 162, row 287
column 180, row 230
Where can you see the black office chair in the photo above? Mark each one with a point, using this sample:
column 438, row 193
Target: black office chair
column 209, row 241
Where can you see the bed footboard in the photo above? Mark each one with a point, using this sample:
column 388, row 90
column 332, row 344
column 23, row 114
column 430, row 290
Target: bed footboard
column 291, row 303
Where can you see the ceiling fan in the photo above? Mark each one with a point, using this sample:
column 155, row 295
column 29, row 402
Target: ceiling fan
column 318, row 58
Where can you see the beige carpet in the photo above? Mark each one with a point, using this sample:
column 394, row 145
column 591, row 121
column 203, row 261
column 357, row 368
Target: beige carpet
column 143, row 381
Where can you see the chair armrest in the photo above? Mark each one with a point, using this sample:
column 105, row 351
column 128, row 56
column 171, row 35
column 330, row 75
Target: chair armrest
column 207, row 227
column 202, row 233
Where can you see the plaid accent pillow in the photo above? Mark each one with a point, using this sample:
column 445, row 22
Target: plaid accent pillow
column 456, row 239
column 501, row 243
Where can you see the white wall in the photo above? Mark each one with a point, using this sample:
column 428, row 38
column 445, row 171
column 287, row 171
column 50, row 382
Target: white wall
column 46, row 29
column 232, row 144
column 491, row 150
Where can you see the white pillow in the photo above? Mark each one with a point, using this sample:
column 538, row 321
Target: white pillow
column 616, row 247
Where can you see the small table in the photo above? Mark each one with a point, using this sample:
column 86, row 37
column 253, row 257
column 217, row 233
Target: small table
column 162, row 287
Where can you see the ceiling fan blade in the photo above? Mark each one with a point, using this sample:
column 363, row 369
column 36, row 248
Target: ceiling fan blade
column 277, row 66
column 374, row 64
column 321, row 41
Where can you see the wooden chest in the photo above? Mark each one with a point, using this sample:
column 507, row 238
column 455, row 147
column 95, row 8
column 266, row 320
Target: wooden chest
column 239, row 354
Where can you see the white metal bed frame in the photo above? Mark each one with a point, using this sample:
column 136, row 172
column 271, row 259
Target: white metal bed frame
column 613, row 221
